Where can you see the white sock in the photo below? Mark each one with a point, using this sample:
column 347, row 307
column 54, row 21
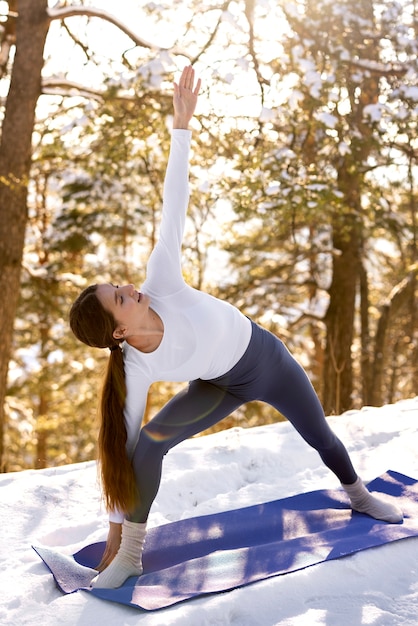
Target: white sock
column 128, row 561
column 364, row 502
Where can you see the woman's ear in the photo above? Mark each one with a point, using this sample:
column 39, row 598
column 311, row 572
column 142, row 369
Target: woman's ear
column 119, row 332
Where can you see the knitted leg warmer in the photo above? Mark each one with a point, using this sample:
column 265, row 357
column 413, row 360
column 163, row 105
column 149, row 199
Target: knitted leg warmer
column 364, row 502
column 128, row 561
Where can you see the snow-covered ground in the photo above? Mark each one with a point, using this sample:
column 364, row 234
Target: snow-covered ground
column 61, row 507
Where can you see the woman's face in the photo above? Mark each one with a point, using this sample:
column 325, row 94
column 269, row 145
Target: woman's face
column 129, row 307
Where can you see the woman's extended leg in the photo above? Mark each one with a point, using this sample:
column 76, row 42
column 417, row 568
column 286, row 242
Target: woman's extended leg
column 291, row 392
column 194, row 409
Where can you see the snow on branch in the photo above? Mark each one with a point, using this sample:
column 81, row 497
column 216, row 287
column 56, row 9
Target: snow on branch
column 62, row 13
column 376, row 67
column 68, row 88
column 63, row 87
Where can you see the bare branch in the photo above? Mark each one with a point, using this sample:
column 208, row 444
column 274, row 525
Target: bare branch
column 63, row 87
column 407, row 149
column 62, row 13
column 77, row 41
column 249, row 14
column 214, row 32
column 67, row 88
column 207, row 44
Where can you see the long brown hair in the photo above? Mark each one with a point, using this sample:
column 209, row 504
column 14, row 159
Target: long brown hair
column 92, row 324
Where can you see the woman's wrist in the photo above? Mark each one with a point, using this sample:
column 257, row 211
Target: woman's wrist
column 181, row 123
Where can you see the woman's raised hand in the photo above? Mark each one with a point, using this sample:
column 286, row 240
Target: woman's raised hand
column 185, row 98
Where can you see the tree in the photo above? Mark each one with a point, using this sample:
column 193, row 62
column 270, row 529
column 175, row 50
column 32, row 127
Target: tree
column 312, row 180
column 15, row 160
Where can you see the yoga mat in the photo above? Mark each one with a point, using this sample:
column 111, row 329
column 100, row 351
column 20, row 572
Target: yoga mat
column 222, row 551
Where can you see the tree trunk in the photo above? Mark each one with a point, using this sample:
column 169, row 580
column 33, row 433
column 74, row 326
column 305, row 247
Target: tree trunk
column 339, row 319
column 15, row 161
column 365, row 364
column 347, row 233
column 399, row 298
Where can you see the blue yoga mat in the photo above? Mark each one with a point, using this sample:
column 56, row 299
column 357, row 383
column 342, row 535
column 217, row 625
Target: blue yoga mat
column 222, row 551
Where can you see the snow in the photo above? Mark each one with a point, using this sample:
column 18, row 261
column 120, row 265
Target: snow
column 410, row 91
column 61, row 507
column 327, row 119
column 374, row 112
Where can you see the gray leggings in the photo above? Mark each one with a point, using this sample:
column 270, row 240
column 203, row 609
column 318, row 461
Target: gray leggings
column 267, row 372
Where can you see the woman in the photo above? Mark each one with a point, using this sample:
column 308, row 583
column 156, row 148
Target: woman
column 169, row 331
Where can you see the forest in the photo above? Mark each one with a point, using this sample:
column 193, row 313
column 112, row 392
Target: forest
column 303, row 192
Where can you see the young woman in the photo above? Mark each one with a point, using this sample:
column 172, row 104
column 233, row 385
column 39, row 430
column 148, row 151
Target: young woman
column 171, row 332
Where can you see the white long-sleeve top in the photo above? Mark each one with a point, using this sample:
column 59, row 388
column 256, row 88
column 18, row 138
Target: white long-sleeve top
column 203, row 337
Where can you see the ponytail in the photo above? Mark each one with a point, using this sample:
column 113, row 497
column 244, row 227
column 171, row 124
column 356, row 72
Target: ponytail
column 116, row 470
column 92, row 324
